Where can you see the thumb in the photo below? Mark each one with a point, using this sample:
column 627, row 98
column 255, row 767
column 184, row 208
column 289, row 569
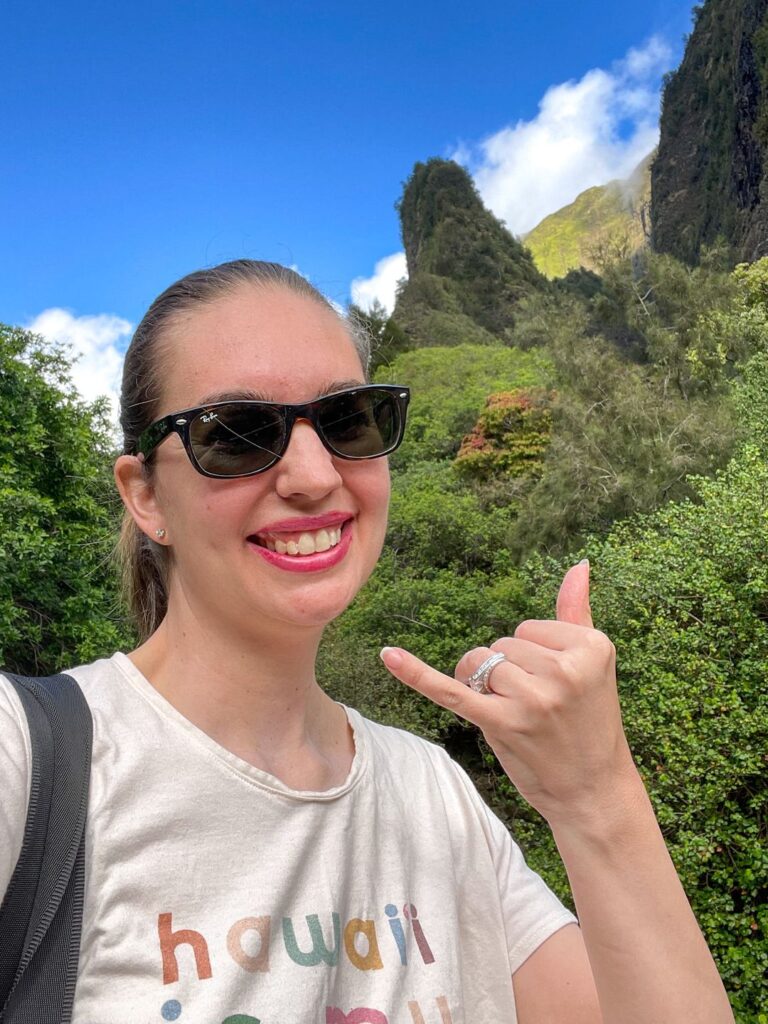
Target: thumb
column 573, row 597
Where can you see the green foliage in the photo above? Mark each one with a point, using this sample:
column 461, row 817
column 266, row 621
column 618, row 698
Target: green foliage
column 463, row 264
column 752, row 283
column 435, row 523
column 58, row 596
column 602, row 215
column 623, row 440
column 709, row 176
column 684, row 596
column 431, row 314
column 387, row 339
column 449, row 389
column 509, row 438
column 683, row 315
column 750, row 401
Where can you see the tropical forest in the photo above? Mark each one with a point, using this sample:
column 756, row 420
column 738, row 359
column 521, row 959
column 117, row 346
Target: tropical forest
column 596, row 389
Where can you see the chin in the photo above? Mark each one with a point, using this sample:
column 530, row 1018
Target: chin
column 321, row 607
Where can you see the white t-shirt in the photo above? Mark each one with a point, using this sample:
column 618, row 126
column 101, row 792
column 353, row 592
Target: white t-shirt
column 217, row 895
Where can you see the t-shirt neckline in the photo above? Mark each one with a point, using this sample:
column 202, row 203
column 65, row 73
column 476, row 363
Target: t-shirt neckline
column 230, row 761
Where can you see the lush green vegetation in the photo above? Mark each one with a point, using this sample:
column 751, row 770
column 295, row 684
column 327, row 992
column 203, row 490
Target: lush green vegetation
column 58, row 595
column 709, row 178
column 603, row 218
column 466, row 272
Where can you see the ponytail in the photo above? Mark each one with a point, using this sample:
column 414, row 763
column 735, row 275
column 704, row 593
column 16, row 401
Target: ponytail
column 144, row 569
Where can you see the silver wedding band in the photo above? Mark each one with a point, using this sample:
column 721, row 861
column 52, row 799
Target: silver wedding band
column 478, row 681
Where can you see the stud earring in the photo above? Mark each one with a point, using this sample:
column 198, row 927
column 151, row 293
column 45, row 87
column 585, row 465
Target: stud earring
column 160, row 533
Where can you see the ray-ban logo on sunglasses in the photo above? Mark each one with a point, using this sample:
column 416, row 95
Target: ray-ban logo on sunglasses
column 208, row 416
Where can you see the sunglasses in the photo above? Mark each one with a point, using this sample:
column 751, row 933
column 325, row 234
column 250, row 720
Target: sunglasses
column 241, row 438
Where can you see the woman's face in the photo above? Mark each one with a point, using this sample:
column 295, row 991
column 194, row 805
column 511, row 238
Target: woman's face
column 232, row 540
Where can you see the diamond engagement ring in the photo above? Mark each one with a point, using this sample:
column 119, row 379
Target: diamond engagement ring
column 478, row 681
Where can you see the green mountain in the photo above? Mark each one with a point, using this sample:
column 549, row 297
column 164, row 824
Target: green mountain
column 610, row 217
column 709, row 180
column 466, row 271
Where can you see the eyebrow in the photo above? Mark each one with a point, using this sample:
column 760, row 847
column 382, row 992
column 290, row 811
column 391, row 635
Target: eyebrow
column 249, row 395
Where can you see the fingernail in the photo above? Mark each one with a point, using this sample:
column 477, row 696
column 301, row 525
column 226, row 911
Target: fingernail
column 584, row 561
column 391, row 656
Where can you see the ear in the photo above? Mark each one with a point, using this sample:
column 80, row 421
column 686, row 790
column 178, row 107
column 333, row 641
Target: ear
column 138, row 494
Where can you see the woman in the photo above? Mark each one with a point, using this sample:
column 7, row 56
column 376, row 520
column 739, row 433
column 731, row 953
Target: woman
column 258, row 853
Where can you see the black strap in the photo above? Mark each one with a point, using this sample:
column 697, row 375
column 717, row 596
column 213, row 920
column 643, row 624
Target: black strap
column 41, row 915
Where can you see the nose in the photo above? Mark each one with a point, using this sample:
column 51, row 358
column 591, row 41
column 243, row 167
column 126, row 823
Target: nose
column 307, row 469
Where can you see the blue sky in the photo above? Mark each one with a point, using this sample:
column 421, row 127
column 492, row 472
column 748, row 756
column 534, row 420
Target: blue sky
column 145, row 140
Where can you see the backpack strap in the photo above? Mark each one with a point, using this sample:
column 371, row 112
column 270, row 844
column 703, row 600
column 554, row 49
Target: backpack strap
column 41, row 914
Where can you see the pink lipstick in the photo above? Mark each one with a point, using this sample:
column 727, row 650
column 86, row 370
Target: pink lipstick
column 315, row 562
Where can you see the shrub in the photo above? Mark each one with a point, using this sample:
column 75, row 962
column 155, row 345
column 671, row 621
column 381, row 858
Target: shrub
column 450, row 387
column 58, row 515
column 683, row 593
column 509, row 438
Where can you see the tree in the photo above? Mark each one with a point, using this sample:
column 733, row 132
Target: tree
column 683, row 594
column 387, row 339
column 450, row 386
column 58, row 514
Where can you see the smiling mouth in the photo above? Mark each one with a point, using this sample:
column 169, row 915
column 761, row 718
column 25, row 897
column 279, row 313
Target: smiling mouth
column 305, row 542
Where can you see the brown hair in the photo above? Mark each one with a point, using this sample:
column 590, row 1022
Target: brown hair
column 145, row 565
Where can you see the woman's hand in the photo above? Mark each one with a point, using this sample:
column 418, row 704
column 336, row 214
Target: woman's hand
column 553, row 717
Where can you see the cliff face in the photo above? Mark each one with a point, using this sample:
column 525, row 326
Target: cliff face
column 709, row 177
column 466, row 272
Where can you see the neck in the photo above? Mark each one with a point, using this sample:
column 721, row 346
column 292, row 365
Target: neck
column 256, row 695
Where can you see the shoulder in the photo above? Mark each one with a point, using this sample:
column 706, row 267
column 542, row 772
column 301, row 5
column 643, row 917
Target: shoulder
column 15, row 777
column 96, row 679
column 14, row 733
column 16, row 751
column 392, row 742
column 15, row 742
column 425, row 770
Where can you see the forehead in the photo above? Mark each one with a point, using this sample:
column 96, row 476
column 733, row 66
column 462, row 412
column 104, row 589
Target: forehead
column 266, row 340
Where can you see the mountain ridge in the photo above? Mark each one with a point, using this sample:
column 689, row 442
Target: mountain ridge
column 612, row 215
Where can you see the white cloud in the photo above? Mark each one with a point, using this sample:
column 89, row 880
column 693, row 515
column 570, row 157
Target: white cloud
column 98, row 343
column 586, row 133
column 382, row 285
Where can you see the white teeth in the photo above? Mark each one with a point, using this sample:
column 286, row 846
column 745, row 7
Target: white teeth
column 307, row 544
column 322, row 541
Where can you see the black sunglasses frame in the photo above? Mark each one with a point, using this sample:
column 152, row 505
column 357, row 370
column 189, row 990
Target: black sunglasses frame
column 181, row 423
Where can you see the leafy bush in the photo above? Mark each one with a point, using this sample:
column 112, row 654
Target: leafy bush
column 58, row 593
column 435, row 523
column 450, row 387
column 623, row 440
column 509, row 438
column 683, row 594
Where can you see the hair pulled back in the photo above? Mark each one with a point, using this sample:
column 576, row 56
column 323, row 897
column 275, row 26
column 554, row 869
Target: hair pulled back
column 145, row 565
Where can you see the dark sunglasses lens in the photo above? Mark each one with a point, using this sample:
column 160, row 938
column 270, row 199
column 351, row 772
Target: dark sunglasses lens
column 361, row 424
column 237, row 439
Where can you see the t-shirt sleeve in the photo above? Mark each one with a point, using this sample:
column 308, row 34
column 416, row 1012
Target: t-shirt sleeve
column 531, row 911
column 15, row 777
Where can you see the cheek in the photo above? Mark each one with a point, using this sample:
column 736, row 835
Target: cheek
column 377, row 490
column 199, row 512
